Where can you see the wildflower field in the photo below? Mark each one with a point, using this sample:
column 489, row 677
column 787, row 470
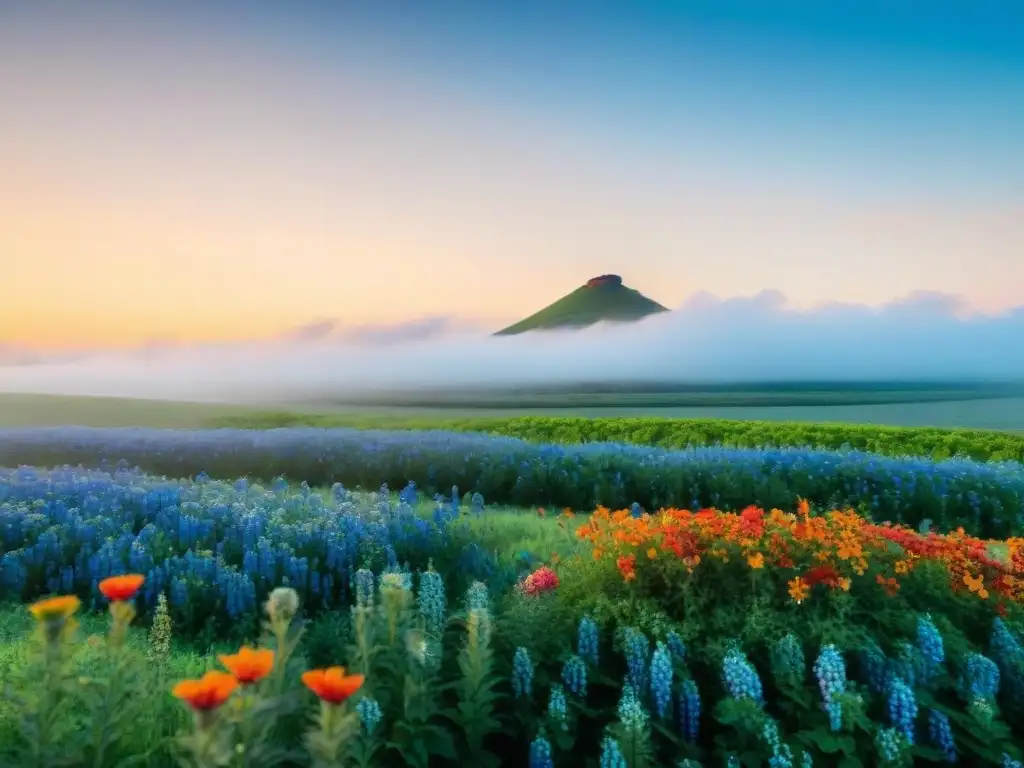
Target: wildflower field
column 632, row 606
column 931, row 442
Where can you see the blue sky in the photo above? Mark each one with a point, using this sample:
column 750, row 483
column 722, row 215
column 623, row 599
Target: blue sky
column 372, row 163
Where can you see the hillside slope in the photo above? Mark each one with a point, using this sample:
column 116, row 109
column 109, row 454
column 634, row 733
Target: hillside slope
column 602, row 298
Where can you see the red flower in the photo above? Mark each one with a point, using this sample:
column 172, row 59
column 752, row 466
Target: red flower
column 542, row 580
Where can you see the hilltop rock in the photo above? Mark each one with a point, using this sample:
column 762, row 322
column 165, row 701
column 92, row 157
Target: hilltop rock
column 594, row 282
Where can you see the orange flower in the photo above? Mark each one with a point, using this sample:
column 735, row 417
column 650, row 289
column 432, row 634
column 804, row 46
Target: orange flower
column 332, row 684
column 652, row 553
column 118, row 588
column 248, row 665
column 208, row 692
column 890, row 585
column 55, row 608
column 597, row 553
column 568, row 513
column 844, row 583
column 756, row 560
column 627, row 567
column 976, row 585
column 798, row 589
column 803, row 507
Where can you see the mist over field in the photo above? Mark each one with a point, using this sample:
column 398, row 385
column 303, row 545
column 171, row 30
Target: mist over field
column 707, row 340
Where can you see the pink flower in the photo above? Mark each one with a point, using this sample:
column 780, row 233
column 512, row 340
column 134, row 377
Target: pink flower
column 542, row 580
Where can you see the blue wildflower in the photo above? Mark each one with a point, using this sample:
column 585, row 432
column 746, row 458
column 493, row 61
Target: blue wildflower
column 369, row 713
column 930, row 647
column 557, row 710
column 740, row 677
column 941, row 734
column 587, row 641
column 574, row 676
column 432, row 601
column 611, row 754
column 676, row 646
column 979, row 678
column 830, row 669
column 1009, row 762
column 902, row 708
column 637, row 649
column 365, row 587
column 661, row 679
column 874, row 666
column 522, row 673
column 540, row 753
column 782, row 755
column 689, row 710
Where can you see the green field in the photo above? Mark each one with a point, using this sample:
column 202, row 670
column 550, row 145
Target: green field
column 1005, row 413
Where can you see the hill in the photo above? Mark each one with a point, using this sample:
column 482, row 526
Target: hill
column 602, row 298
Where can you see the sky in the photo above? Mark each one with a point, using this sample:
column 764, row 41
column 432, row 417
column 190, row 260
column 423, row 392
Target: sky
column 183, row 173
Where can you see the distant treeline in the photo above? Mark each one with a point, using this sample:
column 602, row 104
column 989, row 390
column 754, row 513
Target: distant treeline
column 982, row 445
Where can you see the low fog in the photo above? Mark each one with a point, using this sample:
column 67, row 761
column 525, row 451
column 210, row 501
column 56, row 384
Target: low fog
column 761, row 338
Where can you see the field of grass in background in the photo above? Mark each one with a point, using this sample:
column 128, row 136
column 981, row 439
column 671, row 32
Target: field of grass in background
column 45, row 410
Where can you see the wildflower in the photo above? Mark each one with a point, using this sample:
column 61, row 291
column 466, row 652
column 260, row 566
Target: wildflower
column 557, row 710
column 365, row 587
column 676, row 645
column 432, row 601
column 208, row 692
column 798, row 589
column 890, row 744
column 787, row 660
column 369, row 714
column 522, row 673
column 661, row 679
column 929, row 644
column 540, row 753
column 637, row 650
column 477, row 597
column 631, row 711
column 574, row 676
column 756, row 560
column 830, row 669
column 1009, row 762
column 611, row 754
column 652, row 553
column 979, row 678
column 542, row 580
column 587, row 641
column 160, row 632
column 902, row 709
column 282, row 604
column 976, row 584
column 740, row 677
column 941, row 734
column 689, row 710
column 332, row 685
column 55, row 609
column 121, row 588
column 627, row 567
column 249, row 666
column 782, row 755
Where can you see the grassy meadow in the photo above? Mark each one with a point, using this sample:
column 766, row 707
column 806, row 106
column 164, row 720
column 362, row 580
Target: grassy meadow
column 916, row 409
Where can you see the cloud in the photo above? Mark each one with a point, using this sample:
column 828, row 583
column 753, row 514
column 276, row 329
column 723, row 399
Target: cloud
column 707, row 339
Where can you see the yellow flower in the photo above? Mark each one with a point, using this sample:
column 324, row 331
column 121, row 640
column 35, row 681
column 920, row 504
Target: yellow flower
column 55, row 608
column 652, row 553
column 756, row 560
column 798, row 589
column 844, row 583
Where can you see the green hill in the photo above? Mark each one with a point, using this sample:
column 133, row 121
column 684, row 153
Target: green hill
column 602, row 298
